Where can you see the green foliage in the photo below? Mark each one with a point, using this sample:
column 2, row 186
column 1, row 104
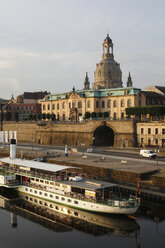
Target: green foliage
column 48, row 116
column 106, row 114
column 93, row 115
column 39, row 116
column 43, row 116
column 100, row 114
column 87, row 115
column 157, row 110
column 53, row 117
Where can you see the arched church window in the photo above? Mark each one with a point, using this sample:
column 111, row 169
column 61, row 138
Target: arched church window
column 129, row 103
column 108, row 103
column 80, row 104
column 97, row 104
column 114, row 103
column 88, row 104
column 103, row 104
column 122, row 103
column 63, row 105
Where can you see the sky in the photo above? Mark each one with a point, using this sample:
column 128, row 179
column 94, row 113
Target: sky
column 51, row 44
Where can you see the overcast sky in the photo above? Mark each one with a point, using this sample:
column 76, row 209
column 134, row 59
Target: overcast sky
column 50, row 44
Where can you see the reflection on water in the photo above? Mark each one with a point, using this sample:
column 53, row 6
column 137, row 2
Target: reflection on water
column 32, row 218
column 60, row 218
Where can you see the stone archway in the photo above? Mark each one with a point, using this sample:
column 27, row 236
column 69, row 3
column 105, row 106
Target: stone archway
column 103, row 136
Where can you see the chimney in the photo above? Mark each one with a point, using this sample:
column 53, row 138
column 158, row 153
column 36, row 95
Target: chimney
column 13, row 149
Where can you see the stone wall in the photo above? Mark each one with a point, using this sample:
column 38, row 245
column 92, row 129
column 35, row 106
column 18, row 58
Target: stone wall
column 54, row 133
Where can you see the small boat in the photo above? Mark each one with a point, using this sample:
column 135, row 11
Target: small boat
column 62, row 184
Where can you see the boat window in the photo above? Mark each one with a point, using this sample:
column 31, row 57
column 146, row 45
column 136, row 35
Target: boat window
column 31, row 190
column 32, row 179
column 57, row 197
column 63, row 199
column 57, row 184
column 76, row 202
column 69, row 200
column 51, row 206
column 46, row 182
column 75, row 213
column 40, row 193
column 41, row 181
column 51, row 195
column 40, row 202
column 26, row 197
column 26, row 189
column 46, row 194
column 51, row 183
column 57, row 208
column 69, row 212
column 35, row 191
column 35, row 200
column 37, row 180
column 31, row 199
column 46, row 204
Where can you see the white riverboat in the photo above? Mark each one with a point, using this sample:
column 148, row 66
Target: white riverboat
column 60, row 184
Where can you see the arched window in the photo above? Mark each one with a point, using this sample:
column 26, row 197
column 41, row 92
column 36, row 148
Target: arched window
column 103, row 104
column 88, row 104
column 63, row 105
column 114, row 103
column 122, row 103
column 80, row 104
column 97, row 104
column 108, row 103
column 129, row 103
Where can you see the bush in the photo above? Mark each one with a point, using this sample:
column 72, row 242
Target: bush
column 100, row 114
column 157, row 110
column 106, row 114
column 87, row 115
column 93, row 115
column 43, row 116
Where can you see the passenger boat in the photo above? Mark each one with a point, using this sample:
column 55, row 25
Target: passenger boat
column 60, row 184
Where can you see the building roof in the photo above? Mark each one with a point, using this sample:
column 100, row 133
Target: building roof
column 95, row 93
column 34, row 95
column 161, row 88
column 35, row 164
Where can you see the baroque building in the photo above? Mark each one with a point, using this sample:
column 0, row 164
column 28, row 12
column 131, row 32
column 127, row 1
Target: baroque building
column 106, row 95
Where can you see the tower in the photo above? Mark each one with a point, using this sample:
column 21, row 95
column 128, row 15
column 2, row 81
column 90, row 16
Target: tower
column 86, row 82
column 108, row 73
column 129, row 81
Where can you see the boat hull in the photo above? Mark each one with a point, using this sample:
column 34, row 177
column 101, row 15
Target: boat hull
column 77, row 203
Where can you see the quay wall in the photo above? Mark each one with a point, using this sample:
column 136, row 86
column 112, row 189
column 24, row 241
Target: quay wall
column 54, row 133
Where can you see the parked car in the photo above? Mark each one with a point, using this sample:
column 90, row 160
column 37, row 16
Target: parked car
column 148, row 154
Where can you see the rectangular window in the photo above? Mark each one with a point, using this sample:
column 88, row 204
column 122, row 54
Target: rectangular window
column 53, row 106
column 142, row 130
column 163, row 130
column 156, row 130
column 58, row 106
column 69, row 104
column 149, row 130
column 142, row 140
column 75, row 202
column 41, row 181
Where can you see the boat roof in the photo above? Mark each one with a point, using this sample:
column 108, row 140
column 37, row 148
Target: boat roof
column 35, row 164
column 90, row 184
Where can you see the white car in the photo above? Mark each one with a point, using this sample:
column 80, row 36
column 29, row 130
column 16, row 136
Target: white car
column 148, row 154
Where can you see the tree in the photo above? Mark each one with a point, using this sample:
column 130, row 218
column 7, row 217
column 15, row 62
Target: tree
column 106, row 114
column 43, row 116
column 48, row 116
column 100, row 114
column 93, row 115
column 53, row 117
column 87, row 115
column 30, row 117
column 39, row 116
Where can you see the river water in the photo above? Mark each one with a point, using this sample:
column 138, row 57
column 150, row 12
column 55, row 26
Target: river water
column 25, row 223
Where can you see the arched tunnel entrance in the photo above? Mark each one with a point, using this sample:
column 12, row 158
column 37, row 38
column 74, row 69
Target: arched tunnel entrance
column 103, row 136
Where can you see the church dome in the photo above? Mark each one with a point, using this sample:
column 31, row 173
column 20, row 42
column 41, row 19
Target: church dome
column 108, row 73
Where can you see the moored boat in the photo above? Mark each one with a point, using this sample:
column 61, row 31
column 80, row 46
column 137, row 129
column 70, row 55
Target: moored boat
column 63, row 184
